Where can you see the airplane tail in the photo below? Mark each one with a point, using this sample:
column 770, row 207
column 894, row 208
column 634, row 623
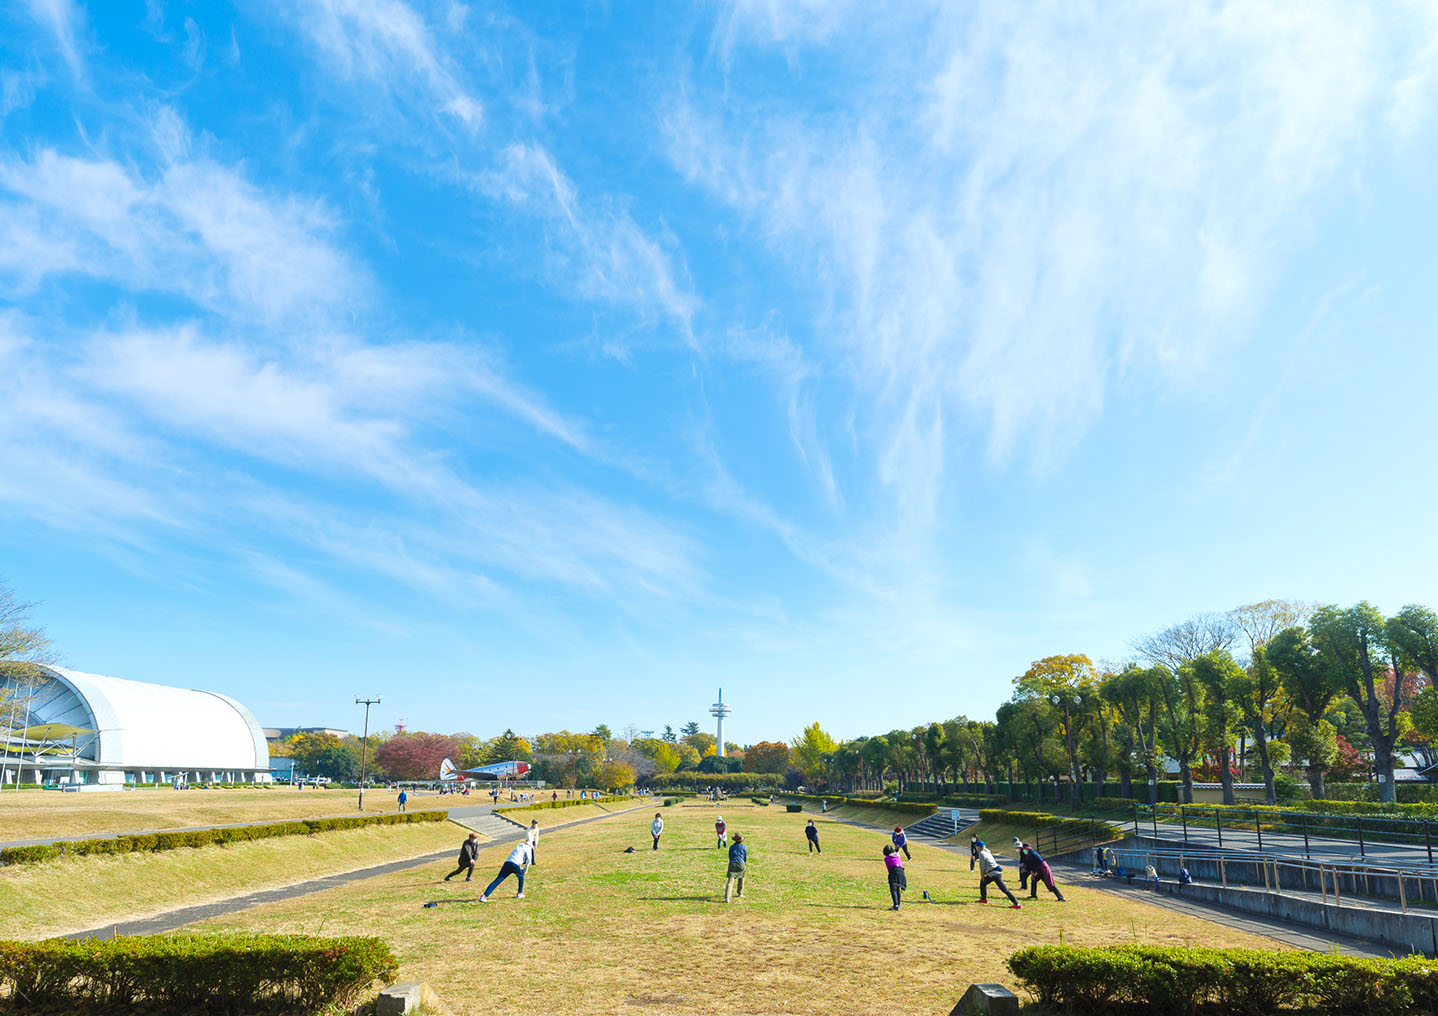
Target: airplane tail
column 446, row 770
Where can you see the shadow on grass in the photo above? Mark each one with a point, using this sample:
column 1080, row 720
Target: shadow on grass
column 678, row 899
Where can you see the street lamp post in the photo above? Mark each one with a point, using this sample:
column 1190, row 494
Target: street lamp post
column 364, row 741
column 1069, row 737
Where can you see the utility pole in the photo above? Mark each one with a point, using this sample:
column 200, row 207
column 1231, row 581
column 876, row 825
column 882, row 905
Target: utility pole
column 364, row 741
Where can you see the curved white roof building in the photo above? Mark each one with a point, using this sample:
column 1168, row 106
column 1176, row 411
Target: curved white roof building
column 89, row 728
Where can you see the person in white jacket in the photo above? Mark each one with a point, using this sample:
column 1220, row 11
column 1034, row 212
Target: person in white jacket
column 656, row 829
column 532, row 838
column 991, row 871
column 517, row 863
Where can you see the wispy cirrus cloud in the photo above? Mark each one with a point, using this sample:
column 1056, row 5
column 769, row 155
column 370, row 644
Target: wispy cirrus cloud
column 1007, row 223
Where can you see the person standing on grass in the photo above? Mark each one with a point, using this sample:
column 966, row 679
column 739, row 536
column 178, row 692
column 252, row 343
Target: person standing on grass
column 532, row 838
column 991, row 871
column 738, row 864
column 403, row 798
column 517, row 863
column 1038, row 870
column 898, row 881
column 468, row 854
column 811, row 833
column 656, row 829
column 901, row 841
column 719, row 830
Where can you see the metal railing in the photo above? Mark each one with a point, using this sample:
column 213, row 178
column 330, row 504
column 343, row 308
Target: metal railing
column 1342, row 882
column 1286, row 828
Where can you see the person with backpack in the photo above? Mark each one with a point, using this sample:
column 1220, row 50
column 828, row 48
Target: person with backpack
column 898, row 881
column 811, row 833
column 738, row 864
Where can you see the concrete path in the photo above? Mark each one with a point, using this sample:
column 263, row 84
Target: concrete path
column 175, row 919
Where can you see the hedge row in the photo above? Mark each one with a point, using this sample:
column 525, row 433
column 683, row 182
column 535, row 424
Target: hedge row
column 724, row 781
column 1408, row 793
column 1182, row 981
column 1403, row 817
column 957, row 800
column 575, row 803
column 190, row 973
column 1031, row 819
column 149, row 842
column 903, row 807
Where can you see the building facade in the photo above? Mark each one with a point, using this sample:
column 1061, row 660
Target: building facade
column 68, row 727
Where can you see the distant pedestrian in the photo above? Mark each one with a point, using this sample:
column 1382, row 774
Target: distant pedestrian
column 990, row 872
column 554, row 796
column 1184, row 878
column 517, row 863
column 738, row 864
column 898, row 881
column 1037, row 870
column 824, row 807
column 811, row 833
column 656, row 829
column 468, row 854
column 719, row 831
column 901, row 841
column 532, row 838
column 403, row 798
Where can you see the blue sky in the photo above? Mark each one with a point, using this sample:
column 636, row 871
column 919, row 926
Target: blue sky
column 548, row 365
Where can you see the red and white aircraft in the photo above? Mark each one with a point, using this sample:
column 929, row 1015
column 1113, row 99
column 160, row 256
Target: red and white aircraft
column 514, row 770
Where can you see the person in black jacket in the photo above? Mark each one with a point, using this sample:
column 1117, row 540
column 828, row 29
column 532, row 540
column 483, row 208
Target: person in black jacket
column 811, row 833
column 468, row 854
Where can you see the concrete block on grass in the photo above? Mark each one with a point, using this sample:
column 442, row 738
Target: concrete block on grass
column 406, row 997
column 993, row 999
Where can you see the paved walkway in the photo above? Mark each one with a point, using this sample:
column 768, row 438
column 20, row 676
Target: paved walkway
column 175, row 919
column 1238, row 838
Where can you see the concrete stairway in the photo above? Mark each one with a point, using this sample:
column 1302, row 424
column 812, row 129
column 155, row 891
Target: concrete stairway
column 493, row 827
column 935, row 827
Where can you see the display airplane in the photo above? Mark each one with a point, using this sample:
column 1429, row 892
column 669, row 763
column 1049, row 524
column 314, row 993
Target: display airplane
column 514, row 770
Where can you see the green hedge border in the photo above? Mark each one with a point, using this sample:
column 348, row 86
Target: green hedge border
column 543, row 805
column 1251, row 982
column 153, row 842
column 191, row 973
column 902, row 807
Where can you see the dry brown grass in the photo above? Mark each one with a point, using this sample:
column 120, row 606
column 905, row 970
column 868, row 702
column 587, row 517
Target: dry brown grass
column 76, row 894
column 601, row 931
column 33, row 814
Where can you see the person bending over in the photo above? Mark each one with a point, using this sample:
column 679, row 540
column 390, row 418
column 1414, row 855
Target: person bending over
column 517, row 863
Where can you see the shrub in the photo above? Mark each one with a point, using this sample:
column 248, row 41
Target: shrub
column 835, row 801
column 793, row 807
column 1034, row 819
column 190, row 973
column 540, row 806
column 148, row 842
column 1249, row 981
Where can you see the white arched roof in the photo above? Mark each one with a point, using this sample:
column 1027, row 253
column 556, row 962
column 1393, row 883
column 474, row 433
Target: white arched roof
column 152, row 726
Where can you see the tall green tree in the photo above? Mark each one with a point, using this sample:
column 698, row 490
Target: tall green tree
column 1353, row 644
column 1183, row 722
column 1070, row 683
column 1256, row 692
column 1413, row 634
column 1136, row 693
column 689, row 729
column 809, row 748
column 1310, row 687
column 1218, row 673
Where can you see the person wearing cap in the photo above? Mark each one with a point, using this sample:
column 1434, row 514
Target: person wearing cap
column 468, row 854
column 901, row 842
column 531, row 836
column 1023, row 868
column 1034, row 867
column 719, row 830
column 991, row 872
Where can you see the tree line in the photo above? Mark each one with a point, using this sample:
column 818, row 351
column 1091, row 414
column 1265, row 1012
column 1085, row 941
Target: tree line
column 1264, row 693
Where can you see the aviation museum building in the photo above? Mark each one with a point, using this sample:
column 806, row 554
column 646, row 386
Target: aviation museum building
column 64, row 726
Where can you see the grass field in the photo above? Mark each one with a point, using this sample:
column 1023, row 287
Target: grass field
column 602, row 931
column 76, row 894
column 33, row 814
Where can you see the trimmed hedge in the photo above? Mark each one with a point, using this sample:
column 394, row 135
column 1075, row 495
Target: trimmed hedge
column 147, row 842
column 539, row 806
column 1034, row 819
column 906, row 808
column 1183, row 981
column 190, row 973
column 957, row 800
column 724, row 781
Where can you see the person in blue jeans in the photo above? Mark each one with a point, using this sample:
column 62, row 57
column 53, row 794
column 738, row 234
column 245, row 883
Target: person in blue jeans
column 403, row 797
column 517, row 863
